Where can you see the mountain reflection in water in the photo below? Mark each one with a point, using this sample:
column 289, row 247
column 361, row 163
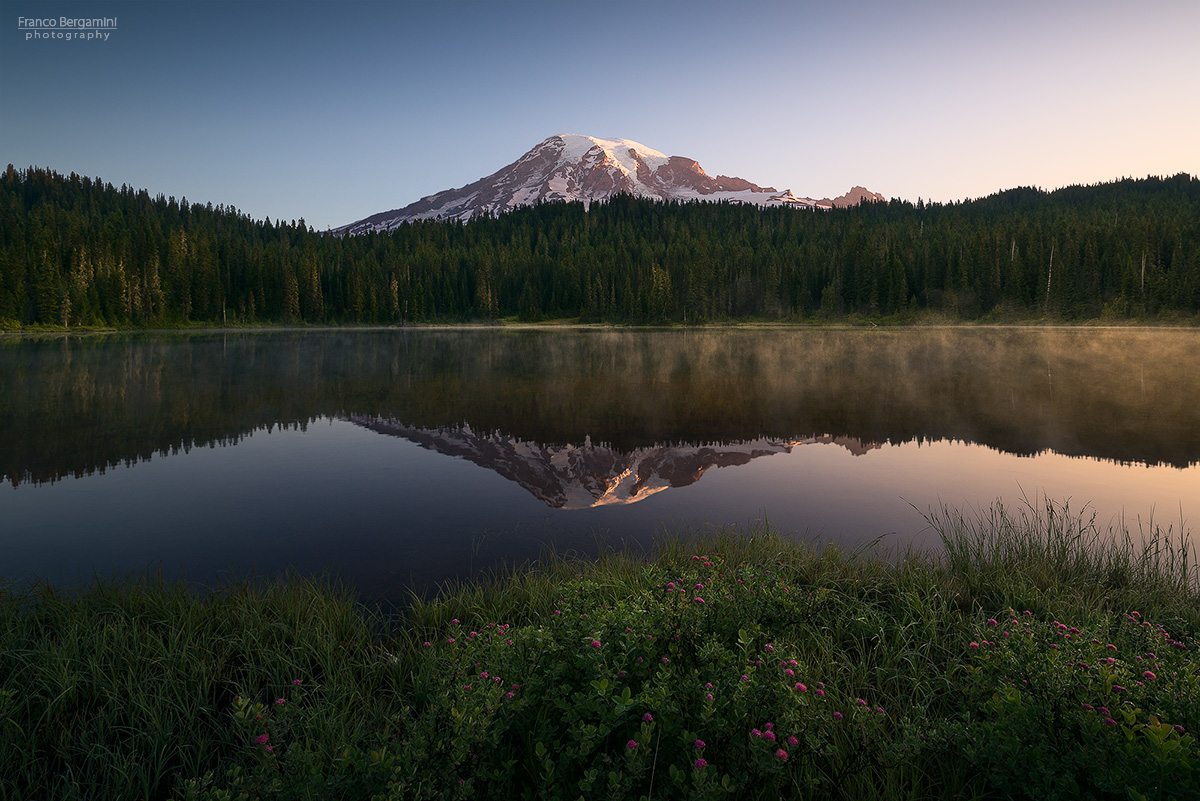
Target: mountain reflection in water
column 70, row 406
column 582, row 476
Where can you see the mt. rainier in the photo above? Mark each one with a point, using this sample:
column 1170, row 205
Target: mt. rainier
column 571, row 167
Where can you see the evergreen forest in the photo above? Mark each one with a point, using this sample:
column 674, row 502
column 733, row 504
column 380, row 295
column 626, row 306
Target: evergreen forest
column 76, row 251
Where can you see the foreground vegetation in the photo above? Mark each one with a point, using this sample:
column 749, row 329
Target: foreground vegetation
column 81, row 252
column 1036, row 656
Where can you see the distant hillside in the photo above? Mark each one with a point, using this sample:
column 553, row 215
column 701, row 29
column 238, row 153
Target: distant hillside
column 76, row 251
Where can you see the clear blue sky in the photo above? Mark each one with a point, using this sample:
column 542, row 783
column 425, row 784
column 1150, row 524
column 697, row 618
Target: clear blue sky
column 333, row 111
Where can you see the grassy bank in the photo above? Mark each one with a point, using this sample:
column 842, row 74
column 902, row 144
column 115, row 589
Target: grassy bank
column 1037, row 657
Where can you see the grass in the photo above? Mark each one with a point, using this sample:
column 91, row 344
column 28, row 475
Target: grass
column 1034, row 656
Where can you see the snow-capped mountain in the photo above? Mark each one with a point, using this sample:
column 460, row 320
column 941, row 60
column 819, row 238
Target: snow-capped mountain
column 587, row 475
column 573, row 167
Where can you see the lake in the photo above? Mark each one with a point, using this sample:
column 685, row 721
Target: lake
column 394, row 460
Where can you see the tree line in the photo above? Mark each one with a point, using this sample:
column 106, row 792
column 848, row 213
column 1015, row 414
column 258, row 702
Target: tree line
column 76, row 251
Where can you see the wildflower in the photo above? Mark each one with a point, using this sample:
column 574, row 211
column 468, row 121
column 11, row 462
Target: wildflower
column 1111, row 646
column 745, row 677
column 510, row 695
column 792, row 741
column 1109, row 722
column 755, row 733
column 700, row 763
column 708, row 686
column 837, row 716
column 699, row 744
column 698, row 599
column 879, row 709
column 769, row 735
column 631, row 745
column 709, row 697
column 483, row 675
column 782, row 755
column 821, row 693
column 427, row 644
column 788, row 672
column 648, row 717
column 769, row 647
column 665, row 660
column 991, row 621
column 280, row 701
column 801, row 687
column 1149, row 675
column 595, row 643
column 269, row 749
column 1028, row 612
column 975, row 645
column 1179, row 728
column 455, row 621
column 1117, row 688
column 297, row 681
column 449, row 639
column 558, row 611
column 261, row 739
column 1089, row 707
column 861, row 702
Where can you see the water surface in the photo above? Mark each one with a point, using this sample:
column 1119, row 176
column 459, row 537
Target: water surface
column 397, row 459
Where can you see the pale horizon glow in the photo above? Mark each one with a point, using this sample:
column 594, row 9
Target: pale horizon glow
column 334, row 111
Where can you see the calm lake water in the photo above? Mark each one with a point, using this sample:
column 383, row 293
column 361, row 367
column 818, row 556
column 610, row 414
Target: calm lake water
column 398, row 459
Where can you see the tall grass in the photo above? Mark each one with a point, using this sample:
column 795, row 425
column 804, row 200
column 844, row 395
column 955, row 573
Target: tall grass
column 1042, row 555
column 146, row 689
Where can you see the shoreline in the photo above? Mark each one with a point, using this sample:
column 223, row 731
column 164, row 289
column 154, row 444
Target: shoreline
column 1096, row 325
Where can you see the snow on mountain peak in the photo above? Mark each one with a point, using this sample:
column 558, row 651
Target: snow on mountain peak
column 574, row 167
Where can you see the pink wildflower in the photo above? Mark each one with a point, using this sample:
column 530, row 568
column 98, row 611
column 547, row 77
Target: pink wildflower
column 1149, row 675
column 782, row 755
column 297, row 681
column 700, row 764
column 595, row 643
column 699, row 744
column 261, row 739
column 837, row 715
column 801, row 687
column 631, row 745
column 792, row 742
column 648, row 717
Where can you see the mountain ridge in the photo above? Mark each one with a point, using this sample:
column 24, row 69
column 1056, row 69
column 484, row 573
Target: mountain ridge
column 574, row 167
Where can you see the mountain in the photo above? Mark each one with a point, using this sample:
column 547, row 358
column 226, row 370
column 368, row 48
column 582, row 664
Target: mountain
column 852, row 198
column 584, row 168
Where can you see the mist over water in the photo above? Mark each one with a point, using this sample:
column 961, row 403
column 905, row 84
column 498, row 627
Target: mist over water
column 398, row 458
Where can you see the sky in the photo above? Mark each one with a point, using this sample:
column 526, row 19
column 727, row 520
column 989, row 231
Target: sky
column 331, row 112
